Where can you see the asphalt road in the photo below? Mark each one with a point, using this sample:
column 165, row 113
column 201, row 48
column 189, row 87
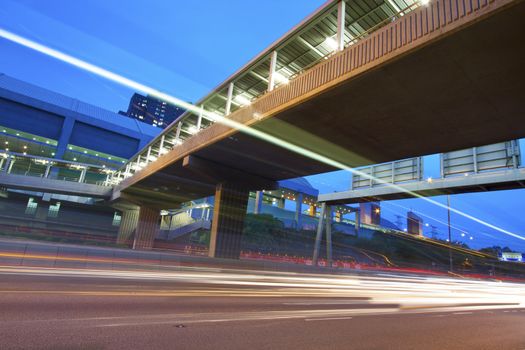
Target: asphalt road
column 213, row 309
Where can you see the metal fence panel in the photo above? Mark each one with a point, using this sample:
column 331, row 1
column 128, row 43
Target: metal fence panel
column 502, row 155
column 393, row 172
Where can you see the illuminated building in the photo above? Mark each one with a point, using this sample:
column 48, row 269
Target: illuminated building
column 151, row 110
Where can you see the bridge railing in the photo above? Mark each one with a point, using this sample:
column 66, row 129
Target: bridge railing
column 30, row 165
column 420, row 25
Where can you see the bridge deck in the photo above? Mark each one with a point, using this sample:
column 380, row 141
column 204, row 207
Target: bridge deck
column 47, row 185
column 490, row 181
column 439, row 79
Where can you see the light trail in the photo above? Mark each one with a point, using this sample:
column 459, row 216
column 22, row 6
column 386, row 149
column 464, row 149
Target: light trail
column 372, row 292
column 228, row 122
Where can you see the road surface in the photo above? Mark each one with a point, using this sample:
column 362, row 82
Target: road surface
column 215, row 309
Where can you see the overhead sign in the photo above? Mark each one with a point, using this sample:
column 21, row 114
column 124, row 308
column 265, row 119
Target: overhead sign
column 399, row 171
column 480, row 159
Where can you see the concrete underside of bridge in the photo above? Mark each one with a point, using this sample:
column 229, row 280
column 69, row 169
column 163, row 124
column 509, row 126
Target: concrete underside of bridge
column 462, row 89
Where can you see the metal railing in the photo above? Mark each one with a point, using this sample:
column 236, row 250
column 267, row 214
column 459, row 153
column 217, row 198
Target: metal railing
column 58, row 169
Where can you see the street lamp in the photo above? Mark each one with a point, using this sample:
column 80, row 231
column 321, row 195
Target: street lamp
column 449, row 235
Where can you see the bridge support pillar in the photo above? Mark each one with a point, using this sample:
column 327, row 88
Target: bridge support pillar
column 128, row 225
column 257, row 208
column 148, row 226
column 357, row 222
column 298, row 211
column 42, row 210
column 325, row 222
column 228, row 221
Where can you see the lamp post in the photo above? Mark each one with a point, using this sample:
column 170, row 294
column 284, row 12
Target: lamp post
column 449, row 234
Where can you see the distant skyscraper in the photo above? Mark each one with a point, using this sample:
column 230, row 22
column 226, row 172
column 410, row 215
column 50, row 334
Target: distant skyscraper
column 151, row 110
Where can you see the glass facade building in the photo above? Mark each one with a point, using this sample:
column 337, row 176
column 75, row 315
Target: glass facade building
column 150, row 110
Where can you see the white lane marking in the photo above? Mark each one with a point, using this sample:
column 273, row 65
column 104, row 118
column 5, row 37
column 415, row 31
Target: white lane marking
column 328, row 319
column 258, row 316
column 461, row 313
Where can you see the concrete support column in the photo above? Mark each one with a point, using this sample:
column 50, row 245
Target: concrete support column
column 280, row 203
column 325, row 222
column 128, row 225
column 41, row 211
column 228, row 221
column 298, row 211
column 203, row 210
column 257, row 208
column 357, row 222
column 147, row 228
column 329, row 235
column 319, row 235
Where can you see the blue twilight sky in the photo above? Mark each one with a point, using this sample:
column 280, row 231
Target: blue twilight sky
column 186, row 48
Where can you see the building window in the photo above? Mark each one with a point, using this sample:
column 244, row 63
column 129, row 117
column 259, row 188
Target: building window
column 31, row 206
column 117, row 218
column 53, row 210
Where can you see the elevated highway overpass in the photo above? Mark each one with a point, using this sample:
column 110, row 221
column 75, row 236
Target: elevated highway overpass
column 432, row 78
